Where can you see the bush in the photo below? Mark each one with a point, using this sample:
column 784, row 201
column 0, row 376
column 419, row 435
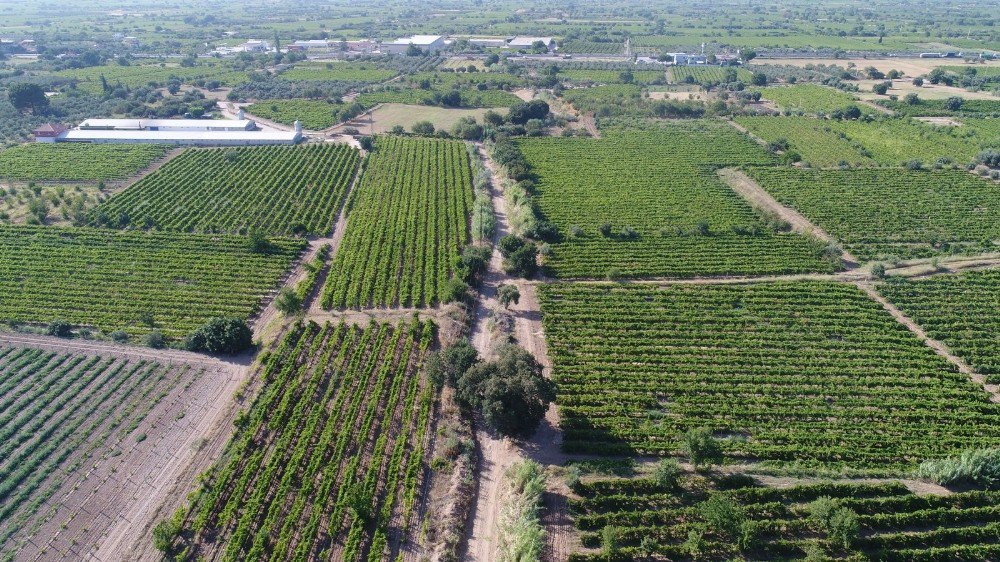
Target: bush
column 511, row 392
column 221, row 335
column 609, row 540
column 455, row 290
column 445, row 366
column 976, row 467
column 59, row 329
column 844, row 527
column 119, row 336
column 667, row 473
column 154, row 339
column 989, row 157
column 288, row 301
column 701, row 447
column 723, row 514
column 881, row 88
column 423, row 128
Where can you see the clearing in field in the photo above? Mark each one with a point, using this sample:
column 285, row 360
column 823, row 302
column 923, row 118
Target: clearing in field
column 811, row 373
column 134, row 281
column 86, row 439
column 777, row 523
column 329, row 461
column 888, row 212
column 643, row 202
column 76, row 162
column 389, row 115
column 271, row 189
column 407, row 222
column 961, row 310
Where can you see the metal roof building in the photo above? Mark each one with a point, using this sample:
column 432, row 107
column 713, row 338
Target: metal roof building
column 194, row 138
column 430, row 43
column 168, row 124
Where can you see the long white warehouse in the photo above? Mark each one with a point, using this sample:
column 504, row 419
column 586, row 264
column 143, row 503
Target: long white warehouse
column 169, row 124
column 206, row 132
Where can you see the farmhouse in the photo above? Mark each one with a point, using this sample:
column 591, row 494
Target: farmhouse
column 311, row 44
column 525, row 42
column 205, row 132
column 256, row 46
column 684, row 59
column 429, row 43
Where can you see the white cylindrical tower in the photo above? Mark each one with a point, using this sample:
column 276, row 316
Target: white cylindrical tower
column 298, row 126
column 240, row 114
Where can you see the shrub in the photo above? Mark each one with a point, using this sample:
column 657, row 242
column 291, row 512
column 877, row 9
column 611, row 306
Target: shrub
column 976, row 467
column 423, row 128
column 288, row 301
column 701, row 447
column 119, row 336
column 723, row 514
column 455, row 290
column 667, row 473
column 508, row 294
column 445, row 366
column 844, row 527
column 609, row 540
column 154, row 339
column 221, row 335
column 59, row 329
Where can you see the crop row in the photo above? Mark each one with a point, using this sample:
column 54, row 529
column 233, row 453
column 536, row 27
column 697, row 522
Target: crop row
column 271, row 189
column 328, row 461
column 134, row 281
column 76, row 162
column 811, row 372
column 877, row 212
column 408, row 221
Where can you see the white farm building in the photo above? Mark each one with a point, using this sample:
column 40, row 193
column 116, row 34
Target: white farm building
column 428, row 43
column 186, row 132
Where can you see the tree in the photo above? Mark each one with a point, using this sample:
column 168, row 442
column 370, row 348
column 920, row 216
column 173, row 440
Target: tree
column 510, row 392
column 519, row 256
column 918, row 81
column 445, row 366
column 258, row 243
column 466, row 128
column 626, row 77
column 288, row 301
column 758, row 79
column 723, row 514
column 423, row 128
column 911, row 99
column 491, row 59
column 493, row 118
column 667, row 473
column 455, row 290
column 452, row 98
column 154, row 339
column 221, row 335
column 366, row 142
column 881, row 88
column 59, row 329
column 508, row 294
column 25, row 95
column 520, row 113
column 954, row 103
column 748, row 55
column 413, row 50
column 701, row 447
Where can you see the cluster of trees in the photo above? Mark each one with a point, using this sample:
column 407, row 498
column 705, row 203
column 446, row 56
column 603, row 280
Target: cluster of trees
column 509, row 392
column 221, row 335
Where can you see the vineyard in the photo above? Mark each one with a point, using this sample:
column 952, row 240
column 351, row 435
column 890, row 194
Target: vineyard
column 134, row 281
column 76, row 162
column 809, row 373
column 408, row 221
column 592, row 98
column 894, row 524
column 878, row 213
column 338, row 72
column 655, row 182
column 938, row 108
column 470, row 97
column 815, row 141
column 315, row 115
column 699, row 75
column 593, row 47
column 963, row 311
column 611, row 76
column 278, row 190
column 61, row 418
column 329, row 460
column 89, row 78
column 809, row 98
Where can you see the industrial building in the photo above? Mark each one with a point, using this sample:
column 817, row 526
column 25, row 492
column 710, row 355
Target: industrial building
column 428, row 43
column 523, row 42
column 187, row 132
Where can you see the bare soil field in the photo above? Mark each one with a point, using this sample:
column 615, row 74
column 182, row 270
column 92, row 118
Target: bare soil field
column 389, row 115
column 103, row 441
column 928, row 91
column 910, row 66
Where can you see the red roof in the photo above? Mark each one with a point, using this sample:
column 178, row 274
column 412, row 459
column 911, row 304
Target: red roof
column 49, row 129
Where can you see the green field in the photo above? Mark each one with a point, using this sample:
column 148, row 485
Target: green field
column 76, row 162
column 315, row 115
column 272, row 189
column 807, row 373
column 877, row 213
column 344, row 410
column 937, row 108
column 337, row 71
column 408, row 221
column 961, row 310
column 470, row 97
column 681, row 74
column 816, row 142
column 611, row 76
column 809, row 98
column 656, row 181
column 134, row 281
column 89, row 78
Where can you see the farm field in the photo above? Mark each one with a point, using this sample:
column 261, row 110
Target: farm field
column 337, row 71
column 388, row 115
column 656, row 181
column 272, row 189
column 56, row 204
column 611, row 76
column 315, row 115
column 89, row 79
column 877, row 213
column 589, row 99
column 806, row 373
column 86, row 438
column 894, row 523
column 809, row 98
column 407, row 223
column 329, row 460
column 76, row 162
column 593, row 47
column 960, row 310
column 470, row 97
column 134, row 281
column 681, row 74
column 818, row 144
column 937, row 108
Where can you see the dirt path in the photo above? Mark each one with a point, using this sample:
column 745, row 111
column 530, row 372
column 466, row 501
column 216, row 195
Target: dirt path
column 747, row 132
column 156, row 165
column 939, row 347
column 761, row 199
column 165, row 356
column 590, row 124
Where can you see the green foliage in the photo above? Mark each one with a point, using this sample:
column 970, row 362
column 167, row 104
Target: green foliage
column 975, row 467
column 809, row 98
column 701, row 447
column 288, row 301
column 446, row 366
column 723, row 515
column 25, row 95
column 59, row 329
column 314, row 115
column 519, row 256
column 221, row 335
column 508, row 295
column 76, row 162
column 521, row 536
column 272, row 189
column 667, row 473
column 510, row 392
column 407, row 224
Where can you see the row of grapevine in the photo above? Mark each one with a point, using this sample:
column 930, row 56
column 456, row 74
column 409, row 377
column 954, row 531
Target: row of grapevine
column 813, row 139
column 644, row 202
column 702, row 74
column 892, row 212
column 892, row 523
column 134, row 281
column 76, row 162
column 57, row 411
column 815, row 373
column 273, row 189
column 328, row 461
column 408, row 221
